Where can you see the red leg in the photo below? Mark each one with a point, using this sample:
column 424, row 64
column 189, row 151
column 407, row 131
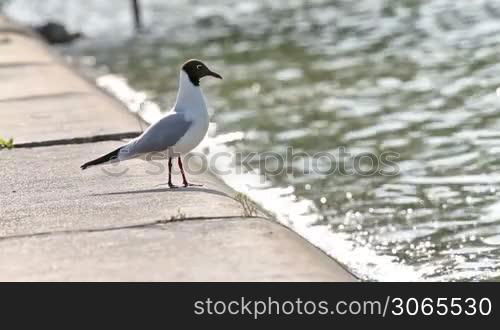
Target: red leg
column 184, row 180
column 170, row 184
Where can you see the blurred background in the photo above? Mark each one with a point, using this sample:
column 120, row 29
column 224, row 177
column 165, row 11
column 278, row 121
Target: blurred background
column 407, row 76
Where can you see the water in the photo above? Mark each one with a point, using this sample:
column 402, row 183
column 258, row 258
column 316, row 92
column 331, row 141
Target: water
column 411, row 77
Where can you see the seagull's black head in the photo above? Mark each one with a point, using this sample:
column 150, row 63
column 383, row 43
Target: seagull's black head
column 196, row 70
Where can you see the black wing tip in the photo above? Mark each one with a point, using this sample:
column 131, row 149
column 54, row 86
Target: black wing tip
column 103, row 159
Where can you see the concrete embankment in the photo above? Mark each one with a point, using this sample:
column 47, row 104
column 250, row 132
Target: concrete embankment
column 59, row 223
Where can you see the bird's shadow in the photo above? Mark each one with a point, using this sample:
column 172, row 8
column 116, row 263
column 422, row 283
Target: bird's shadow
column 170, row 190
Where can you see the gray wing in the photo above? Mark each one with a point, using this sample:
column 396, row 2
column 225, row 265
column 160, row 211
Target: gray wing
column 161, row 135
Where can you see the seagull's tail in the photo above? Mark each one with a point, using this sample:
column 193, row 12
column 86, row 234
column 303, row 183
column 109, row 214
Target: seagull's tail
column 103, row 159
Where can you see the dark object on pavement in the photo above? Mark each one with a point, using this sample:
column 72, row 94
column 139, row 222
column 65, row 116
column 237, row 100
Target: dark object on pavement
column 56, row 33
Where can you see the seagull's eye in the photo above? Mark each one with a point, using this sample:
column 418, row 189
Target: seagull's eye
column 199, row 66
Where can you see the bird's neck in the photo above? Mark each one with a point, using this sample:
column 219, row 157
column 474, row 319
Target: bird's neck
column 189, row 97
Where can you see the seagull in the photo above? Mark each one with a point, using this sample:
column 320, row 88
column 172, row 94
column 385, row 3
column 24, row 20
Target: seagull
column 178, row 132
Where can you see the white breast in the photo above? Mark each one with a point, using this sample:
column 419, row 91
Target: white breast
column 191, row 102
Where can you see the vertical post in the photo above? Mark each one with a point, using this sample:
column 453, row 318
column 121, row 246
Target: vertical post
column 137, row 15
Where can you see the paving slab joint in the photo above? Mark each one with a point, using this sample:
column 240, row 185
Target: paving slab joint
column 134, row 226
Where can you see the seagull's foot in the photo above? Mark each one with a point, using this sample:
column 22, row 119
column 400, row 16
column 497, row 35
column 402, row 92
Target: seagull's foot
column 172, row 186
column 187, row 184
